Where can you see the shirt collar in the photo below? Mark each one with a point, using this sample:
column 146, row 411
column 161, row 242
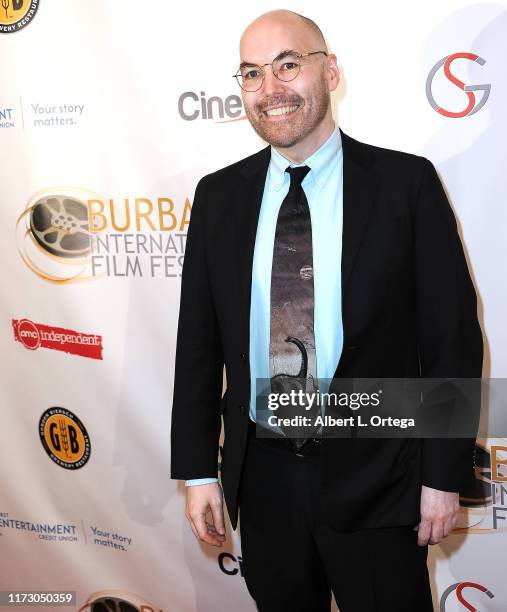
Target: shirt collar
column 320, row 161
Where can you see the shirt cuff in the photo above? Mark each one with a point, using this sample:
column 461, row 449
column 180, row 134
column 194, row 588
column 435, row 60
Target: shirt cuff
column 199, row 481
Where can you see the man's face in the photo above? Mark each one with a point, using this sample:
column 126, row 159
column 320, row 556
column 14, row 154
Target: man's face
column 308, row 92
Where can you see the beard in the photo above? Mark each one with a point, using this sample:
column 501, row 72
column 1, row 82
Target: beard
column 295, row 128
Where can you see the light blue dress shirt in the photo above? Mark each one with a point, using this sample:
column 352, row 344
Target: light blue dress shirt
column 323, row 187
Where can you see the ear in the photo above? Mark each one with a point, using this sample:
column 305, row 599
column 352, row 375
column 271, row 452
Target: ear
column 333, row 72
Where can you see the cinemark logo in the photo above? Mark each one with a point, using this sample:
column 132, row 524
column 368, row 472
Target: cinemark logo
column 36, row 335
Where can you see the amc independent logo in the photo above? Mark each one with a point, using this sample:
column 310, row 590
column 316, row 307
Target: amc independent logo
column 36, row 335
column 64, row 438
column 473, row 106
column 16, row 14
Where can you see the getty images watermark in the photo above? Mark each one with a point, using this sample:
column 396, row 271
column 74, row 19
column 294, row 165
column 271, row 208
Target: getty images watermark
column 297, row 407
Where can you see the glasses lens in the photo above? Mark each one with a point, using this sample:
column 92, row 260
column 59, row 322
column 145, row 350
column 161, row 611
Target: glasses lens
column 250, row 77
column 287, row 68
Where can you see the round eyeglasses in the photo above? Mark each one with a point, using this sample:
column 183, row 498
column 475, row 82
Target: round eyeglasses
column 285, row 67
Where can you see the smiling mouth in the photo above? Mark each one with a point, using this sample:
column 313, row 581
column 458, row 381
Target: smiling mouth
column 282, row 110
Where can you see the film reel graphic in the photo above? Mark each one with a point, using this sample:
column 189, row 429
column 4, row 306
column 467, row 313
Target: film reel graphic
column 53, row 235
column 118, row 601
column 60, row 225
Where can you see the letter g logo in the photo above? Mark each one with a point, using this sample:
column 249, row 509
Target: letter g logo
column 471, row 108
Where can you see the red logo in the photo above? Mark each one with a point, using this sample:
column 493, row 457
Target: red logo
column 35, row 335
column 458, row 588
column 472, row 106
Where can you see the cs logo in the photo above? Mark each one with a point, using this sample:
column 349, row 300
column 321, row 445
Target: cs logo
column 457, row 589
column 471, row 108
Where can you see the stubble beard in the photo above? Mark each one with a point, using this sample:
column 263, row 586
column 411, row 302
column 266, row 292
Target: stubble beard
column 285, row 134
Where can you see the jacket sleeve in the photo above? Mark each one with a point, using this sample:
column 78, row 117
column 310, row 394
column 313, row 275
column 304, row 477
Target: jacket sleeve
column 198, row 373
column 449, row 336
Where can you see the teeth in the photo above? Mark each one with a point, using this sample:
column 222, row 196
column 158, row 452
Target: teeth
column 281, row 111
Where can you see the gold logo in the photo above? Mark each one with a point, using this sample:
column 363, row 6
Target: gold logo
column 16, row 14
column 64, row 438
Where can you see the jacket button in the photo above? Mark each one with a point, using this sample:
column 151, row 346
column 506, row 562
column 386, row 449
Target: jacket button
column 243, row 409
column 243, row 357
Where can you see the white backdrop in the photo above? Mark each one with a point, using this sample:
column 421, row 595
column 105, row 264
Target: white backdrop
column 101, row 111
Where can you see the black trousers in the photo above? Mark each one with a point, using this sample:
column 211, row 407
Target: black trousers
column 292, row 560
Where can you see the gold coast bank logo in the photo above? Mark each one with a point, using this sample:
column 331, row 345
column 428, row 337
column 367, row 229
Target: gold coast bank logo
column 114, row 600
column 472, row 106
column 64, row 438
column 16, row 14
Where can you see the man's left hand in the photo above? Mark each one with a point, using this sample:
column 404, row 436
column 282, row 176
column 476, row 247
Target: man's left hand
column 439, row 515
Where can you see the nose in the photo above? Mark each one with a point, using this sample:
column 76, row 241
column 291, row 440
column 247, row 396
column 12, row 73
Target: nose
column 271, row 84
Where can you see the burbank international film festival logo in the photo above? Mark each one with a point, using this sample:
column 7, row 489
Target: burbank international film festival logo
column 483, row 508
column 16, row 14
column 64, row 438
column 117, row 600
column 72, row 234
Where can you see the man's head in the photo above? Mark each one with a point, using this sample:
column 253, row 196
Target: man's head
column 301, row 130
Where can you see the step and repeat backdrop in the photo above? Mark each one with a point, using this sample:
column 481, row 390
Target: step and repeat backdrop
column 110, row 112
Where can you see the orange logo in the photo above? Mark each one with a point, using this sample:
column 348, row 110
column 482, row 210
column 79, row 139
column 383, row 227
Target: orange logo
column 64, row 438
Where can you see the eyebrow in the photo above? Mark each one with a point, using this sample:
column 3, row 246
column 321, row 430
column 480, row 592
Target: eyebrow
column 281, row 55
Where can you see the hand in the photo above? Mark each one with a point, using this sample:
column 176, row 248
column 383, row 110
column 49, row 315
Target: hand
column 201, row 499
column 439, row 515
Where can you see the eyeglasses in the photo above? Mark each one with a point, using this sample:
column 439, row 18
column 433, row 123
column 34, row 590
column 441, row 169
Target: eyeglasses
column 285, row 67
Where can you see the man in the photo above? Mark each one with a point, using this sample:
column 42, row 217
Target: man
column 392, row 298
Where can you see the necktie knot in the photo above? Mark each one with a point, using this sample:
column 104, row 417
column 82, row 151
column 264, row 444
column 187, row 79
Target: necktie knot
column 297, row 174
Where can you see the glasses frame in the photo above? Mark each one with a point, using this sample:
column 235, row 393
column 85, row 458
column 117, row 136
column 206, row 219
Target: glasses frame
column 263, row 72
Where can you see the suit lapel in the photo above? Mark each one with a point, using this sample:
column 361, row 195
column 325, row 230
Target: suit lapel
column 359, row 188
column 247, row 205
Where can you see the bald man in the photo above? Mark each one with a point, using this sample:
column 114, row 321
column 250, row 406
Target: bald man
column 343, row 516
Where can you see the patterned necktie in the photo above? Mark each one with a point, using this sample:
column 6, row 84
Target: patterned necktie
column 292, row 355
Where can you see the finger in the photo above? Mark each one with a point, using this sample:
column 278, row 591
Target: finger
column 217, row 511
column 424, row 532
column 437, row 532
column 202, row 529
column 211, row 529
column 194, row 530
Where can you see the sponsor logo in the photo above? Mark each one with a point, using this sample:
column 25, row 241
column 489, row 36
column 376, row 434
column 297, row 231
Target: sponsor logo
column 44, row 530
column 16, row 14
column 229, row 564
column 7, row 117
column 473, row 106
column 37, row 335
column 114, row 600
column 193, row 107
column 455, row 591
column 64, row 438
column 69, row 235
column 483, row 508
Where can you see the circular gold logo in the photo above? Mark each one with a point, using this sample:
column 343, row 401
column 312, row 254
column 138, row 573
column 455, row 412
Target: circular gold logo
column 16, row 14
column 64, row 438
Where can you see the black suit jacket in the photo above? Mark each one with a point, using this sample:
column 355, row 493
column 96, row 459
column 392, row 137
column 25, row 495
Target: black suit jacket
column 408, row 308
